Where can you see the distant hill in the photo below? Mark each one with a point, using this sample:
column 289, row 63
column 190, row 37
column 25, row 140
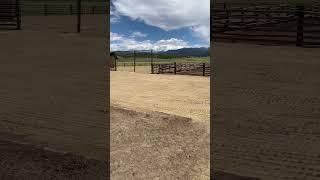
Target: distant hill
column 200, row 52
column 184, row 52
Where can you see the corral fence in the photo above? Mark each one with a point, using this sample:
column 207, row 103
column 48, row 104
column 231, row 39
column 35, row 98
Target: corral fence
column 47, row 9
column 57, row 16
column 281, row 24
column 10, row 17
column 154, row 63
column 199, row 69
column 135, row 61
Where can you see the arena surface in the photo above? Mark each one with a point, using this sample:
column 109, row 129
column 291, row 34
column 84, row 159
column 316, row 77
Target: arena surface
column 267, row 111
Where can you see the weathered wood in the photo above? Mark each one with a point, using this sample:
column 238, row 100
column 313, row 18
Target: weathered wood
column 300, row 15
column 78, row 16
column 200, row 69
column 10, row 16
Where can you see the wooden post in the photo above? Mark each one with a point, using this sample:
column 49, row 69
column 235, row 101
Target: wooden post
column 242, row 16
column 18, row 9
column 79, row 16
column 152, row 62
column 115, row 64
column 45, row 9
column 226, row 25
column 134, row 61
column 300, row 22
column 204, row 69
column 70, row 8
column 92, row 10
column 175, row 68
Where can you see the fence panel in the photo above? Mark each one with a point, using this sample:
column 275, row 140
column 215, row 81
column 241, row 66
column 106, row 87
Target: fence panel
column 282, row 24
column 10, row 14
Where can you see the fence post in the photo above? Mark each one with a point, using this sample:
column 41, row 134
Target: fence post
column 204, row 69
column 152, row 71
column 134, row 61
column 45, row 9
column 175, row 68
column 70, row 8
column 226, row 25
column 300, row 16
column 18, row 9
column 79, row 16
column 242, row 16
column 92, row 10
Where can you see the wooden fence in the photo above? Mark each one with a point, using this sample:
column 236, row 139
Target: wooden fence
column 10, row 17
column 47, row 9
column 200, row 69
column 281, row 24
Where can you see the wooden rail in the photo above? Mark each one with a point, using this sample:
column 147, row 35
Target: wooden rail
column 47, row 9
column 200, row 69
column 10, row 17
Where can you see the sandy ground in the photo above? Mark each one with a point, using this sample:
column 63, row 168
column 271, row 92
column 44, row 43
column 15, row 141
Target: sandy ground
column 267, row 111
column 139, row 69
column 21, row 161
column 148, row 144
column 182, row 95
column 53, row 87
column 158, row 146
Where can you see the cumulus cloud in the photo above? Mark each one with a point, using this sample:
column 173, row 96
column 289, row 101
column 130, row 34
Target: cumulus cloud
column 114, row 16
column 122, row 43
column 169, row 14
column 138, row 34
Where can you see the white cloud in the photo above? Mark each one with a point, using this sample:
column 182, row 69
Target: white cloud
column 202, row 31
column 138, row 34
column 114, row 16
column 122, row 43
column 169, row 14
column 115, row 37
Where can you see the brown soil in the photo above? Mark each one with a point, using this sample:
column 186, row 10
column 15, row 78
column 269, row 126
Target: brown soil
column 157, row 146
column 18, row 161
column 267, row 109
column 182, row 95
column 52, row 93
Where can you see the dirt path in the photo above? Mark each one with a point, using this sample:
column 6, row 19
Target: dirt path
column 186, row 96
column 267, row 111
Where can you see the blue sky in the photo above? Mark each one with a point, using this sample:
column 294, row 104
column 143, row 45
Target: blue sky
column 159, row 25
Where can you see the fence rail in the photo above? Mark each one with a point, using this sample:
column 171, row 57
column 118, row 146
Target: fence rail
column 298, row 25
column 200, row 69
column 62, row 8
column 10, row 14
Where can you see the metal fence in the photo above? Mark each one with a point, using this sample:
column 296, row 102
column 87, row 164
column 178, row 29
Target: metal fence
column 282, row 24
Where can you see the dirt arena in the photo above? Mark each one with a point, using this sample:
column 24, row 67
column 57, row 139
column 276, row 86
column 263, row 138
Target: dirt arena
column 267, row 110
column 159, row 126
column 52, row 96
column 187, row 96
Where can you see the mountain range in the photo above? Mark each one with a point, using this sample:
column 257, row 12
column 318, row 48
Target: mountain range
column 197, row 52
